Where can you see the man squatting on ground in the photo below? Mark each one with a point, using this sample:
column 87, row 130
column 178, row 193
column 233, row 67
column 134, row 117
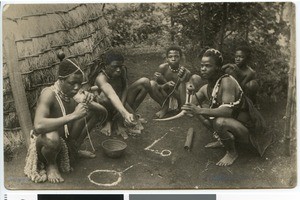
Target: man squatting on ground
column 120, row 100
column 168, row 89
column 231, row 115
column 60, row 126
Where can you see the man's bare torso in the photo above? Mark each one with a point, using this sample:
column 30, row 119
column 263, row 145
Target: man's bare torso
column 56, row 111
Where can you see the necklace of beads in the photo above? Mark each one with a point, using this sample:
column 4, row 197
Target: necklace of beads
column 174, row 70
column 60, row 93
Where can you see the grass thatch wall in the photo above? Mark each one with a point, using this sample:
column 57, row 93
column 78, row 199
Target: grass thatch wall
column 40, row 32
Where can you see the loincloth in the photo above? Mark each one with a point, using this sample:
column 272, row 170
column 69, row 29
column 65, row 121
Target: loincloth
column 173, row 103
column 35, row 169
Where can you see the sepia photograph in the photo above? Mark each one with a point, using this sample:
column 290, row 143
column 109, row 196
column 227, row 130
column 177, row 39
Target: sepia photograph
column 156, row 96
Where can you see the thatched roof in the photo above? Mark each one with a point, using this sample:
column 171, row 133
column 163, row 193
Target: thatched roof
column 40, row 32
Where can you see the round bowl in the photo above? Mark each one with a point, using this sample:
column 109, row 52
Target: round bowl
column 114, row 148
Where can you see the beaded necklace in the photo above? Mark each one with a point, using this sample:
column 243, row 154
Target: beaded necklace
column 174, row 70
column 60, row 93
column 214, row 94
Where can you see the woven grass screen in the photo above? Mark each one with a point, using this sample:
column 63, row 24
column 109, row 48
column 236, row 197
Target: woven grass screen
column 40, row 32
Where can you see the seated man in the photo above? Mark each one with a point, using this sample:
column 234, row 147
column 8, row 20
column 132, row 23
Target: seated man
column 119, row 99
column 243, row 73
column 60, row 126
column 167, row 88
column 230, row 115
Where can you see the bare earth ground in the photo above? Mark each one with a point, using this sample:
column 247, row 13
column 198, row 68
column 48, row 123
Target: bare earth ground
column 148, row 169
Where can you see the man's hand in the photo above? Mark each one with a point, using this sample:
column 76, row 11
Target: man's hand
column 190, row 108
column 184, row 74
column 80, row 110
column 169, row 84
column 157, row 76
column 88, row 97
column 229, row 68
column 129, row 119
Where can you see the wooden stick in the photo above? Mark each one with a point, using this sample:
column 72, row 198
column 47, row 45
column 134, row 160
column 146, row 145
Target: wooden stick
column 189, row 139
column 290, row 124
column 17, row 86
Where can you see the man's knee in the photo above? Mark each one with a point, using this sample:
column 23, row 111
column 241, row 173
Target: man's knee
column 221, row 124
column 153, row 84
column 194, row 83
column 50, row 140
column 252, row 86
column 145, row 83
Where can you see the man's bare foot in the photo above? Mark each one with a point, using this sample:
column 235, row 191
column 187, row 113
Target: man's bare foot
column 121, row 130
column 42, row 177
column 160, row 114
column 53, row 174
column 215, row 144
column 141, row 119
column 106, row 130
column 228, row 159
column 86, row 154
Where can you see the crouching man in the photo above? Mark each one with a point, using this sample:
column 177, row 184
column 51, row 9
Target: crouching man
column 60, row 126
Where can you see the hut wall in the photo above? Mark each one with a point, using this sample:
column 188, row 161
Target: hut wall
column 41, row 31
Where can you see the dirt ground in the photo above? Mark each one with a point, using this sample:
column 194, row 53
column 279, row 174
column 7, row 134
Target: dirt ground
column 149, row 169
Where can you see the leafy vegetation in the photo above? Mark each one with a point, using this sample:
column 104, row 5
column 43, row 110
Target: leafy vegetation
column 263, row 27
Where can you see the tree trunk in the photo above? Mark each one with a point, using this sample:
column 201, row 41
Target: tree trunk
column 172, row 22
column 290, row 124
column 202, row 36
column 223, row 26
column 247, row 25
column 17, row 86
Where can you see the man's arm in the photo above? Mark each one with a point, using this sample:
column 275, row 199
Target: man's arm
column 107, row 89
column 159, row 75
column 228, row 88
column 228, row 95
column 125, row 86
column 199, row 96
column 251, row 74
column 42, row 121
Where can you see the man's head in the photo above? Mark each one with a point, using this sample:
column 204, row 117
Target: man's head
column 242, row 56
column 114, row 62
column 174, row 55
column 70, row 76
column 211, row 63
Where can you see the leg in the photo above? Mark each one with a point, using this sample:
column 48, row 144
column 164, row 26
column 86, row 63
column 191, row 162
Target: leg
column 103, row 100
column 83, row 126
column 89, row 123
column 230, row 131
column 180, row 94
column 207, row 123
column 251, row 89
column 159, row 95
column 48, row 146
column 137, row 92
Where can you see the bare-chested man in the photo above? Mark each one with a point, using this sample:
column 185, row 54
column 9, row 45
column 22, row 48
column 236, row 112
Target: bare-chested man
column 61, row 121
column 243, row 73
column 230, row 114
column 118, row 98
column 167, row 88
